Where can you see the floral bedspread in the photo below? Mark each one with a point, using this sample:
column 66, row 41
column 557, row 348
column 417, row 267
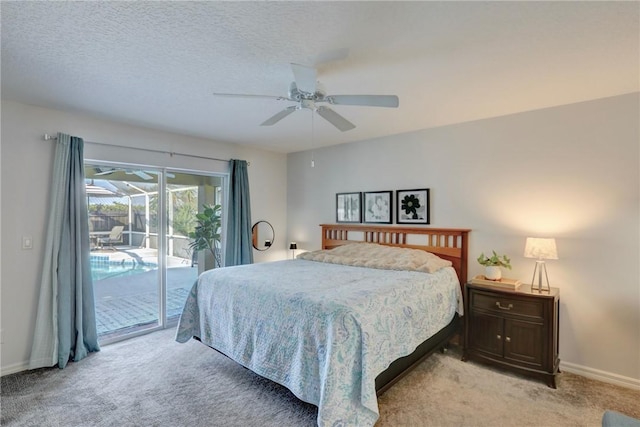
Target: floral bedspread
column 325, row 331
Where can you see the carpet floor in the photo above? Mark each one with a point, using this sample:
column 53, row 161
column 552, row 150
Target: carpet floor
column 154, row 381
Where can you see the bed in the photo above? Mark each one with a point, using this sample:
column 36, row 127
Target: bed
column 328, row 325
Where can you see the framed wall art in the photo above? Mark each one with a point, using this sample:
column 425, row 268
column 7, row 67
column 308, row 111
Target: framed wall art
column 349, row 207
column 412, row 206
column 378, row 207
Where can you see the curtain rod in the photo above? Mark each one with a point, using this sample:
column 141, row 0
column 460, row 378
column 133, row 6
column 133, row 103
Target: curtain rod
column 48, row 137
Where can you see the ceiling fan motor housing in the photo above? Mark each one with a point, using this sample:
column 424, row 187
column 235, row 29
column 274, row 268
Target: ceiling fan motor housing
column 297, row 95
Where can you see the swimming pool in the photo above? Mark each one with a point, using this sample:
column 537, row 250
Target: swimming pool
column 107, row 271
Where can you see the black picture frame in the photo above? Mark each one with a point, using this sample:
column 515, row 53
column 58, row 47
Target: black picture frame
column 349, row 207
column 377, row 207
column 406, row 210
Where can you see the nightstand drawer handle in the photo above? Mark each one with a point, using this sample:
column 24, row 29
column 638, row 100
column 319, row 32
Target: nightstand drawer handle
column 509, row 307
column 499, row 337
column 507, row 339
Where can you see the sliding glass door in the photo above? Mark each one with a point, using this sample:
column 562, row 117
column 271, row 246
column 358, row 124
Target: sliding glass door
column 188, row 195
column 143, row 261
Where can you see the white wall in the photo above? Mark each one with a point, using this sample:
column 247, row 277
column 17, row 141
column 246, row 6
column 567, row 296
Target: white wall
column 569, row 172
column 26, row 170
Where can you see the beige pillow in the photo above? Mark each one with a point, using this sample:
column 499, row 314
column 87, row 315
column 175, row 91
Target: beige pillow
column 373, row 255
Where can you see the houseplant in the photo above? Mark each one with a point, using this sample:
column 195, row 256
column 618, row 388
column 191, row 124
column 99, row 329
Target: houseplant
column 492, row 265
column 206, row 235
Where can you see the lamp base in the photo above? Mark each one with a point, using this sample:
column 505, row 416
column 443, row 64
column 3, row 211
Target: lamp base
column 540, row 267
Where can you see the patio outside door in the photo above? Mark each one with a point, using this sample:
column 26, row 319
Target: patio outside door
column 141, row 261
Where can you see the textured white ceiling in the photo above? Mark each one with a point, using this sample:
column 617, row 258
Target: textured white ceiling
column 156, row 64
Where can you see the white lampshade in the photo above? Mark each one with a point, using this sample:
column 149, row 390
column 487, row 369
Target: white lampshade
column 540, row 248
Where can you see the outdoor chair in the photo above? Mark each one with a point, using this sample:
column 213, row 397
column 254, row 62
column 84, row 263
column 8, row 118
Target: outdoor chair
column 115, row 236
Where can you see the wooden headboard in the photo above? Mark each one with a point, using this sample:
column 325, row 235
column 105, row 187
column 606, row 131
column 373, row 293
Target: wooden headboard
column 447, row 243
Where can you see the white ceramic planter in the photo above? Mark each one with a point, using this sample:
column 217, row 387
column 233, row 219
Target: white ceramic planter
column 493, row 272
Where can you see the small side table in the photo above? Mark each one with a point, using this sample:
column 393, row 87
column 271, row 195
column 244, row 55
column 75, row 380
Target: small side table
column 513, row 329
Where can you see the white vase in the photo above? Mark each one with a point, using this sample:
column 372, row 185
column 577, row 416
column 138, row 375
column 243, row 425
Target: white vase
column 492, row 272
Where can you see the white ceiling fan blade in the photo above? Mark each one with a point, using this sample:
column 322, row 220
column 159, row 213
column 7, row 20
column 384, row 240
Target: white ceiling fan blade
column 279, row 116
column 335, row 119
column 167, row 174
column 306, row 78
column 141, row 174
column 242, row 95
column 103, row 172
column 390, row 101
column 330, row 56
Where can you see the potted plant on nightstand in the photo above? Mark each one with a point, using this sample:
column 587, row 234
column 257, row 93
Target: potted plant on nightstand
column 492, row 265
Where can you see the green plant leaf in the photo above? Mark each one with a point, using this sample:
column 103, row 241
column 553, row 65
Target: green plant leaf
column 494, row 260
column 207, row 232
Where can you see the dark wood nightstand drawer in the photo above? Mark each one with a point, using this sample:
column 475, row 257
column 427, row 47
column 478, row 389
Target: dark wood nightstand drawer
column 504, row 304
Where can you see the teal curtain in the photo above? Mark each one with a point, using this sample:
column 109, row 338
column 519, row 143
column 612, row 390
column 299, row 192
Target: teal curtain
column 239, row 249
column 66, row 322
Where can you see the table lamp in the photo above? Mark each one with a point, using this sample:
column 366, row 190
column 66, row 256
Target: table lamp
column 293, row 246
column 540, row 249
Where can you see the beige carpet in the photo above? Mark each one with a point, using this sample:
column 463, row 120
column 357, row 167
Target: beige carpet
column 445, row 391
column 154, row 381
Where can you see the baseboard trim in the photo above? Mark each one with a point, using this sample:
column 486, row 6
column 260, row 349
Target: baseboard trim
column 14, row 368
column 599, row 375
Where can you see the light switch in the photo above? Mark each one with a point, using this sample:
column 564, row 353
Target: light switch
column 27, row 242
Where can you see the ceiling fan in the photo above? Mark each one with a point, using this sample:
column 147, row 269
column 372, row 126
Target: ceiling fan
column 306, row 92
column 99, row 171
column 138, row 173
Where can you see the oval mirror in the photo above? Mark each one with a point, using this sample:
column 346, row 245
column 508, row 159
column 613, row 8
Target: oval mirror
column 262, row 235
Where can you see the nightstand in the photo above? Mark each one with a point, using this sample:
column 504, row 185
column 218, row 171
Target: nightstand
column 514, row 329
